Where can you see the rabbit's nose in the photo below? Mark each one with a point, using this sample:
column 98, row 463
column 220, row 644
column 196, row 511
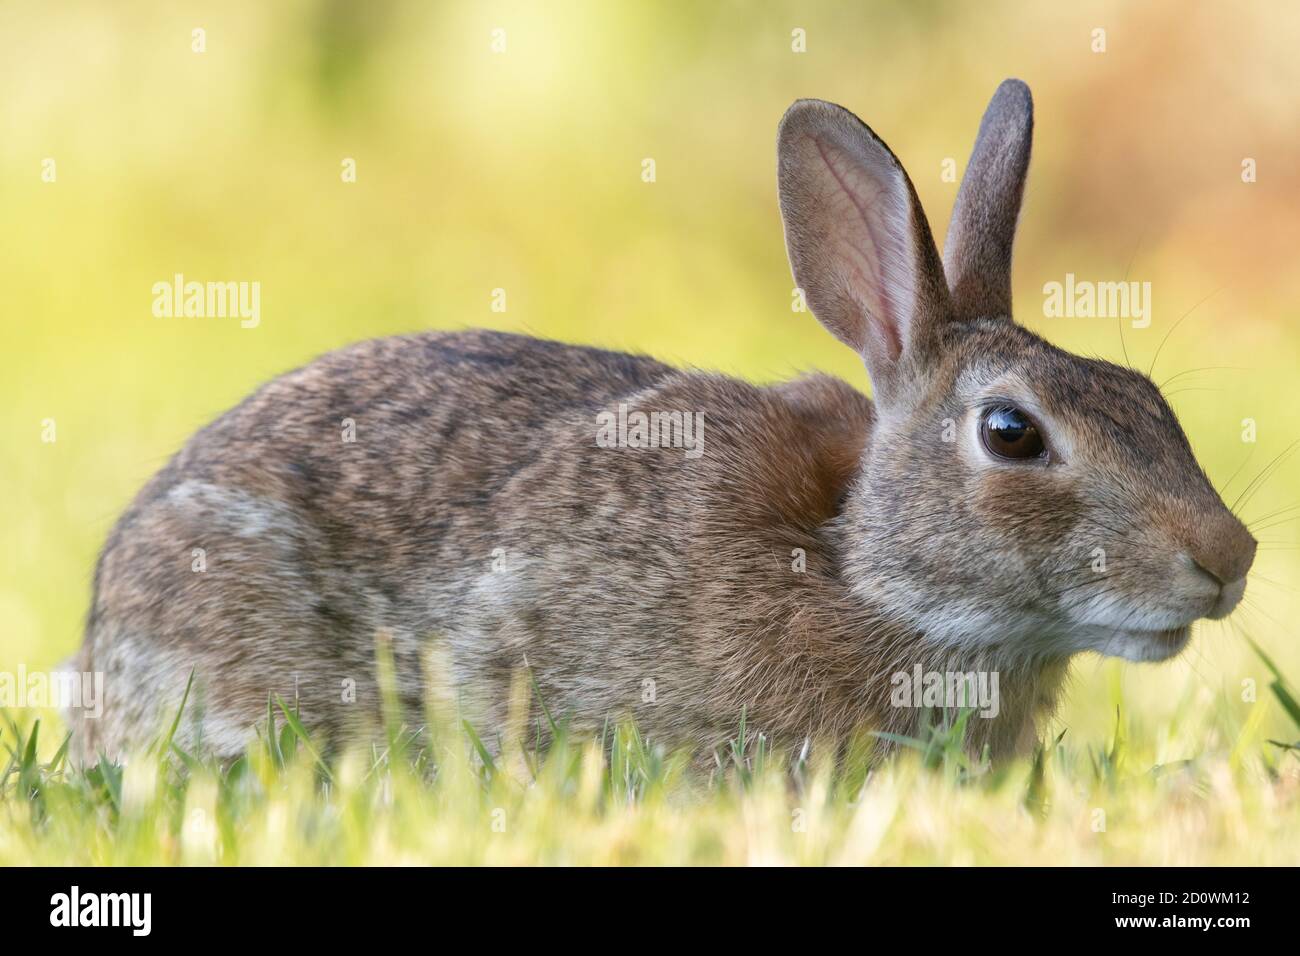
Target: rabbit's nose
column 1224, row 550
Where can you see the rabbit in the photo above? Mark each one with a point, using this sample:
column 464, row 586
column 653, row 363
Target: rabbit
column 997, row 508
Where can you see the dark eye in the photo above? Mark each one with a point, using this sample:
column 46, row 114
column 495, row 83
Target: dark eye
column 1008, row 432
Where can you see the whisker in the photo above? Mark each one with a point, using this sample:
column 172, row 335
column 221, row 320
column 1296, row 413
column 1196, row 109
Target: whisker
column 1203, row 368
column 1258, row 481
column 1277, row 584
column 1191, row 646
column 1159, row 347
column 1245, row 461
column 1275, row 524
column 1280, row 511
column 1131, row 259
column 1247, row 603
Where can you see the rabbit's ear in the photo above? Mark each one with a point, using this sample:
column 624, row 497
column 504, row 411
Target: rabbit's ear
column 858, row 242
column 977, row 252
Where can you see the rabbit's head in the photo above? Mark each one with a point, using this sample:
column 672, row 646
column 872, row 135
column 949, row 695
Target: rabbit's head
column 1011, row 494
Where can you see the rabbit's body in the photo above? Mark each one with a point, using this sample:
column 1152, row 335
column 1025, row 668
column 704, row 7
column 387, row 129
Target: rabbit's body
column 1002, row 506
column 476, row 515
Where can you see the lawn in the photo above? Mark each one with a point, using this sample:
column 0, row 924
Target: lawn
column 434, row 795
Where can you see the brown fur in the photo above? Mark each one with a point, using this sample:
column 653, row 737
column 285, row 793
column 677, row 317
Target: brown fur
column 623, row 566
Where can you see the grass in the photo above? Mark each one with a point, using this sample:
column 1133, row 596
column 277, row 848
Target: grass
column 437, row 795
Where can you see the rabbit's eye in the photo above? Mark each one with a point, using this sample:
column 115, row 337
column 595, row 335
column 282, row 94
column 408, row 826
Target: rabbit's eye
column 1007, row 432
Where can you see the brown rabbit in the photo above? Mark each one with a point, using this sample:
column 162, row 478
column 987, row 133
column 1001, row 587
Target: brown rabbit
column 797, row 551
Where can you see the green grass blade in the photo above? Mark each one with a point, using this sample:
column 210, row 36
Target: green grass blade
column 488, row 763
column 295, row 724
column 176, row 721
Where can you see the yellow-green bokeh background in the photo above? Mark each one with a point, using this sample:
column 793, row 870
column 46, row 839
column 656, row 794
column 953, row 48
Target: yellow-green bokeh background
column 522, row 170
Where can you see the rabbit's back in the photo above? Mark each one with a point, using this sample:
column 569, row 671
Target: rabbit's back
column 450, row 491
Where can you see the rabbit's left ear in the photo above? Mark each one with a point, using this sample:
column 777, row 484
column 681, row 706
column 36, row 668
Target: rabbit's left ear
column 977, row 252
column 859, row 244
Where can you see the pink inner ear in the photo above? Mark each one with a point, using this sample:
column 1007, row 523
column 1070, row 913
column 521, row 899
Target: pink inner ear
column 869, row 244
column 887, row 335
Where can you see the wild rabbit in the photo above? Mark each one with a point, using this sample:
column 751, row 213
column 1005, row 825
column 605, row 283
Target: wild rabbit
column 790, row 550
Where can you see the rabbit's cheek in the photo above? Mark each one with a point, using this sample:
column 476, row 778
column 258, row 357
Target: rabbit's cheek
column 1026, row 508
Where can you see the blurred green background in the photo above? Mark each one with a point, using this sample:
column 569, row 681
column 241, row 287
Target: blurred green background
column 521, row 169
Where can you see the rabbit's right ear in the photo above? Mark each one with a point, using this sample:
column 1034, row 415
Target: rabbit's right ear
column 859, row 244
column 977, row 252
